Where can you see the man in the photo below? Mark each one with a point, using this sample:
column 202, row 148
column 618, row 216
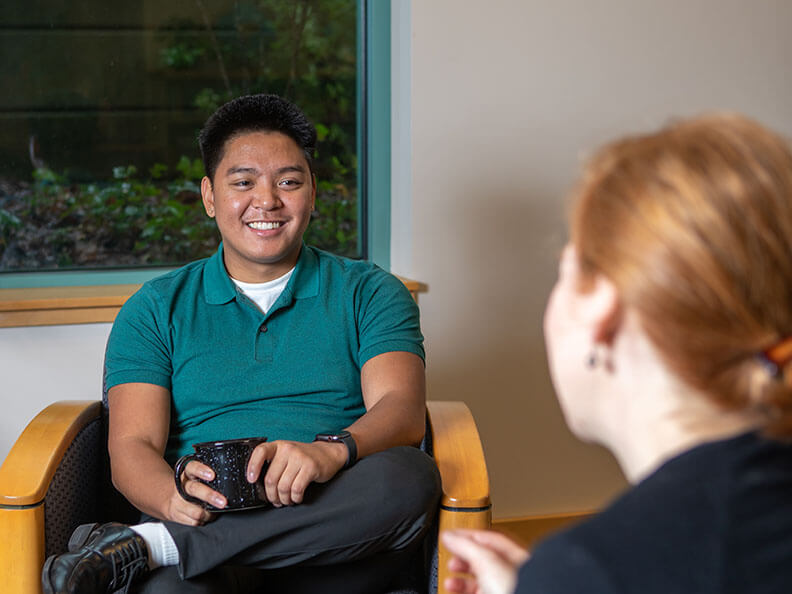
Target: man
column 267, row 337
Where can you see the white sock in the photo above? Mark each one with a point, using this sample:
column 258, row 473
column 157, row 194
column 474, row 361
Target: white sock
column 161, row 547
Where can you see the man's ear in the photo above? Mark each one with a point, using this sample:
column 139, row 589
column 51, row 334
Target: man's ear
column 207, row 196
column 313, row 192
column 602, row 310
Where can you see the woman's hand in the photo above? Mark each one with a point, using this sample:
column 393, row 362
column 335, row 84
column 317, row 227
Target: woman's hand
column 490, row 557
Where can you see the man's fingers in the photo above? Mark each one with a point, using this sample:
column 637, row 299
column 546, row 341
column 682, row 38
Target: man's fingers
column 195, row 515
column 304, row 478
column 272, row 479
column 205, row 493
column 263, row 452
column 185, row 512
column 292, row 467
column 197, row 470
column 286, row 483
column 191, row 517
column 193, row 486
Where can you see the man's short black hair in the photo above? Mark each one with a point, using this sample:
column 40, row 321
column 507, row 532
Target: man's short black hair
column 254, row 113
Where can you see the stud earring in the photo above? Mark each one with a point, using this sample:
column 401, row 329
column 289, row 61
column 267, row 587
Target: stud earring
column 599, row 355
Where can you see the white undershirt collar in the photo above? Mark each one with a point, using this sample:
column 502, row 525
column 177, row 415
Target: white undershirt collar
column 264, row 295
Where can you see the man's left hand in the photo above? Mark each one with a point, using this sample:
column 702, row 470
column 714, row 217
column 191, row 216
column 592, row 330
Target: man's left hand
column 293, row 466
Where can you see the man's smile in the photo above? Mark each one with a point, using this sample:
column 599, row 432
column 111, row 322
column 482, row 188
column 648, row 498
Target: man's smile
column 264, row 225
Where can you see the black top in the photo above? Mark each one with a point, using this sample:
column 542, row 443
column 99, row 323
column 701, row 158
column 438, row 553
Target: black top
column 715, row 519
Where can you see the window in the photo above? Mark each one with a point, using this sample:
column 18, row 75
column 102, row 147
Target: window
column 102, row 102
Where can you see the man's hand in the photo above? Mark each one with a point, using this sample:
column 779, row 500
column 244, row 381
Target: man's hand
column 293, row 466
column 186, row 512
column 491, row 558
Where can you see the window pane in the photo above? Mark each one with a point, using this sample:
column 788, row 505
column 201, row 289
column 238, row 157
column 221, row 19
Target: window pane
column 101, row 103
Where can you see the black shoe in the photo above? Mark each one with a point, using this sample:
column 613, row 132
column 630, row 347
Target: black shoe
column 101, row 559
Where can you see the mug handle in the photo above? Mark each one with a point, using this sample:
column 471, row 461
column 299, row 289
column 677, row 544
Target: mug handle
column 177, row 476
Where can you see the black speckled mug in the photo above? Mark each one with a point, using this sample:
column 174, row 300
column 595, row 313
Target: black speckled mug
column 229, row 459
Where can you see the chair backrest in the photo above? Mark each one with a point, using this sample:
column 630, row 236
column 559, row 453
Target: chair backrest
column 75, row 492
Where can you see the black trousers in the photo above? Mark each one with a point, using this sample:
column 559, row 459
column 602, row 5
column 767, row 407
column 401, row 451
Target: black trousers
column 354, row 533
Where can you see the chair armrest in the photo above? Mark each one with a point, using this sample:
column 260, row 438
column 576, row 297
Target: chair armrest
column 457, row 450
column 30, row 465
column 459, row 456
column 25, row 477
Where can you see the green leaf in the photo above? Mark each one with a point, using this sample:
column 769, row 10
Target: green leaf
column 8, row 219
column 190, row 170
column 207, row 100
column 321, row 132
column 47, row 176
column 122, row 172
column 158, row 170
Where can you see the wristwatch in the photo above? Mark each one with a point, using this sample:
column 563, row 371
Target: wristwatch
column 344, row 437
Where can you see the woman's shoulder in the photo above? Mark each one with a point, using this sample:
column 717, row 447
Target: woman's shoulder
column 674, row 531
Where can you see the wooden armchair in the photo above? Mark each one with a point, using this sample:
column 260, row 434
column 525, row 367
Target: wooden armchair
column 56, row 477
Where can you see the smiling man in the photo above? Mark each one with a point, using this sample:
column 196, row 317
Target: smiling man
column 269, row 336
column 261, row 196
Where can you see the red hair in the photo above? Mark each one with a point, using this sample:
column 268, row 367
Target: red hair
column 693, row 224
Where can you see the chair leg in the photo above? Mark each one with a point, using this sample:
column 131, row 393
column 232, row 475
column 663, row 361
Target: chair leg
column 22, row 549
column 478, row 519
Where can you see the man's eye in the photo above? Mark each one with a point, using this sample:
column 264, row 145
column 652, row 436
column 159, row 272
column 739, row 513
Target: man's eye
column 242, row 183
column 289, row 183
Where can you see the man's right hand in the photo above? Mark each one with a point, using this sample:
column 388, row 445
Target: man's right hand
column 186, row 512
column 138, row 434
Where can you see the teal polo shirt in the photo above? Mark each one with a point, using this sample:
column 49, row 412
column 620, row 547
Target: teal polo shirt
column 234, row 372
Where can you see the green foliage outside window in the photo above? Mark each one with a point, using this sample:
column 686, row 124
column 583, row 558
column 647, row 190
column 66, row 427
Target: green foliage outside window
column 147, row 211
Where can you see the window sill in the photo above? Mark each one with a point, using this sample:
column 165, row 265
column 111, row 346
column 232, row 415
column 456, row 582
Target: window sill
column 50, row 306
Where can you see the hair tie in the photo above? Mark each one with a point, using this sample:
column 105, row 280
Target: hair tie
column 777, row 356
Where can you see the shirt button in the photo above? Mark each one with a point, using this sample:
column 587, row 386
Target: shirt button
column 263, row 328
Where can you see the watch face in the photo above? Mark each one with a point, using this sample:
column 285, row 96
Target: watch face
column 332, row 436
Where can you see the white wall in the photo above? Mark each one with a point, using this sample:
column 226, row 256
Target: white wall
column 506, row 96
column 44, row 364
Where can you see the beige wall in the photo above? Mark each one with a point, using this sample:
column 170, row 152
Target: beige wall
column 506, row 96
column 43, row 364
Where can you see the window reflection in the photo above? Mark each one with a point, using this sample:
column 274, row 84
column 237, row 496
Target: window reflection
column 101, row 102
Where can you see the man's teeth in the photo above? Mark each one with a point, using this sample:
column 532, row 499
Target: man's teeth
column 262, row 225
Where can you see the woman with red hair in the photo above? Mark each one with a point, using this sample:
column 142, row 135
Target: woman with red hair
column 669, row 338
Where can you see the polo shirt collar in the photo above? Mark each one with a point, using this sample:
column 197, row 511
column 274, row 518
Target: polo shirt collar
column 304, row 282
column 219, row 288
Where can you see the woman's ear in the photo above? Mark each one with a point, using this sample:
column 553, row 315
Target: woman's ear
column 602, row 310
